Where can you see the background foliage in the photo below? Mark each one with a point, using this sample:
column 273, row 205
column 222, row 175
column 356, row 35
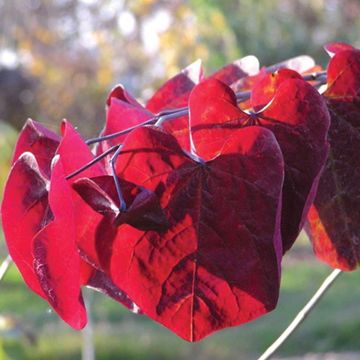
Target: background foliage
column 59, row 58
column 66, row 56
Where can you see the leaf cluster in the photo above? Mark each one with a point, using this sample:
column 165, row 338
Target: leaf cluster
column 186, row 206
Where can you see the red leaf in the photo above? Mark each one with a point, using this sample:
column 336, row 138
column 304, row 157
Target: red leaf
column 125, row 112
column 102, row 283
column 86, row 272
column 75, row 153
column 120, row 116
column 264, row 89
column 40, row 141
column 57, row 262
column 299, row 119
column 94, row 193
column 214, row 115
column 179, row 128
column 231, row 73
column 144, row 213
column 336, row 47
column 342, row 76
column 175, row 92
column 96, row 236
column 302, row 135
column 119, row 92
column 217, row 265
column 23, row 212
column 25, row 208
column 329, row 243
column 26, row 211
column 334, row 220
column 246, row 84
column 90, row 225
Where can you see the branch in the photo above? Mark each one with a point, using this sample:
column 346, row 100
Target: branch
column 4, row 267
column 88, row 347
column 301, row 316
column 166, row 115
column 92, row 162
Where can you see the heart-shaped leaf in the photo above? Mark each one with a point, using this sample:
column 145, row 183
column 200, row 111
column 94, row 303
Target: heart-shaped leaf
column 299, row 119
column 334, row 219
column 265, row 88
column 175, row 92
column 216, row 265
column 120, row 116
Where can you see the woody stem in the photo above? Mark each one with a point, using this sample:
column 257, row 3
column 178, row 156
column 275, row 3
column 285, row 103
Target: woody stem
column 4, row 267
column 301, row 316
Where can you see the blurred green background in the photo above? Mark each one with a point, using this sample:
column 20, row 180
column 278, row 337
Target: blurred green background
column 59, row 58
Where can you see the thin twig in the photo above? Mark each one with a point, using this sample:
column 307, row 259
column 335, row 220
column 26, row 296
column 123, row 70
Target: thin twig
column 243, row 96
column 301, row 316
column 166, row 115
column 122, row 203
column 314, row 75
column 92, row 162
column 170, row 116
column 88, row 347
column 120, row 133
column 4, row 267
